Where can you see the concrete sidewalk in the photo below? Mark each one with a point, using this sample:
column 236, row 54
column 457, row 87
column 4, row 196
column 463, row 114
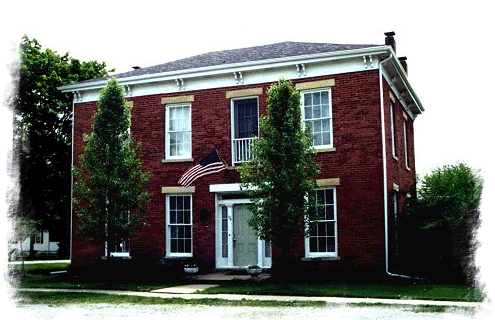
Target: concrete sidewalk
column 39, row 261
column 329, row 300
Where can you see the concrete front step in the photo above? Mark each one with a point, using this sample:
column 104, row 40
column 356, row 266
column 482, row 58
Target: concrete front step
column 226, row 276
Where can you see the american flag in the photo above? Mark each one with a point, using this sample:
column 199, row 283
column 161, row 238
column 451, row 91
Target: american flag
column 212, row 163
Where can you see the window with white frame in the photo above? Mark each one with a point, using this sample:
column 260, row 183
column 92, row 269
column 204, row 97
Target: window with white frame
column 317, row 112
column 244, row 128
column 406, row 155
column 38, row 238
column 322, row 238
column 178, row 131
column 121, row 247
column 179, row 225
column 392, row 128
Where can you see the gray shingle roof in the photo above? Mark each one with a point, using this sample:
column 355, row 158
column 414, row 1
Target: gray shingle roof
column 271, row 51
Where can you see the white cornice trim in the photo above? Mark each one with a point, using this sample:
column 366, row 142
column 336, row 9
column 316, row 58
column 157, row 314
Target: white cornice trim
column 231, row 68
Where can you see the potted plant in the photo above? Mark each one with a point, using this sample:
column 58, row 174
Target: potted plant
column 191, row 267
column 254, row 270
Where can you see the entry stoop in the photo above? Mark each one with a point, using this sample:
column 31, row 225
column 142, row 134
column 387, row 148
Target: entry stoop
column 225, row 276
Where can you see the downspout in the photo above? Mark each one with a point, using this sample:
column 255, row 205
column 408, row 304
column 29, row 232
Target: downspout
column 72, row 179
column 384, row 160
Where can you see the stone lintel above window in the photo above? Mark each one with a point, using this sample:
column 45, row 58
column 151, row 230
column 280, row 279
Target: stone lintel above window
column 178, row 99
column 328, row 182
column 315, row 84
column 178, row 190
column 243, row 93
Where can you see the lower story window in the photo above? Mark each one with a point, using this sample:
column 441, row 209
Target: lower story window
column 179, row 225
column 121, row 249
column 322, row 238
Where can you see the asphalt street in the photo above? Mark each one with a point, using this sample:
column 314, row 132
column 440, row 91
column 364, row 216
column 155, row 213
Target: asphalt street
column 200, row 312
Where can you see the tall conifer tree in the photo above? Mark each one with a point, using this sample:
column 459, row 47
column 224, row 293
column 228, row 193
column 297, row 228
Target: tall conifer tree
column 110, row 189
column 281, row 179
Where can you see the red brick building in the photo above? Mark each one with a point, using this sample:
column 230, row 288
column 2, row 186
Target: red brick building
column 361, row 107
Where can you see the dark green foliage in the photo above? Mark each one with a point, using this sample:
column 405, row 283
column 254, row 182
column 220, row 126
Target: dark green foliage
column 43, row 134
column 439, row 225
column 281, row 179
column 110, row 190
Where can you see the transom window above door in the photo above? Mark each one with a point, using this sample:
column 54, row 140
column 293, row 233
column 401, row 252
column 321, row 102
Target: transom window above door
column 244, row 128
column 317, row 112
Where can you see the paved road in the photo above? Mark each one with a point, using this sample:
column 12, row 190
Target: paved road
column 127, row 311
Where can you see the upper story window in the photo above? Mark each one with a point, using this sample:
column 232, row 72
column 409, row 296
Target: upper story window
column 392, row 128
column 317, row 112
column 406, row 155
column 178, row 131
column 244, row 128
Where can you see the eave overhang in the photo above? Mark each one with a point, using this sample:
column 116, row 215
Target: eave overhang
column 395, row 74
column 399, row 82
column 229, row 68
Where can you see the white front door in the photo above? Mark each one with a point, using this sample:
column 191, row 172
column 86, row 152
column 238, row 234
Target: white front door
column 236, row 243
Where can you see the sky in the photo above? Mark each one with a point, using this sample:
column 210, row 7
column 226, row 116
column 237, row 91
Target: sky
column 447, row 45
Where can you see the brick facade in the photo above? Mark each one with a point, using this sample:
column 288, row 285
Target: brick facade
column 356, row 162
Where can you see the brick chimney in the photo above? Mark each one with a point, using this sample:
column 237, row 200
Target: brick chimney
column 389, row 39
column 403, row 62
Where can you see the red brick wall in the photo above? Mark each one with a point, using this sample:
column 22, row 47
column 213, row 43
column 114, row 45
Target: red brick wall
column 357, row 162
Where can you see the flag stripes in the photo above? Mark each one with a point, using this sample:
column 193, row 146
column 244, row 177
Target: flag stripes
column 212, row 163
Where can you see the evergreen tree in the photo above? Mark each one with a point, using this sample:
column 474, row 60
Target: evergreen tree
column 110, row 189
column 439, row 225
column 281, row 178
column 43, row 136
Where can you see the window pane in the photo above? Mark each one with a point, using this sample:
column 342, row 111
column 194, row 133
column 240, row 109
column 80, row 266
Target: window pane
column 187, row 245
column 317, row 126
column 308, row 99
column 322, row 245
column 318, row 141
column 325, row 125
column 316, row 99
column 313, row 244
column 316, row 112
column 245, row 118
column 324, row 97
column 308, row 113
column 330, row 244
column 330, row 229
column 329, row 214
column 325, row 111
column 173, row 245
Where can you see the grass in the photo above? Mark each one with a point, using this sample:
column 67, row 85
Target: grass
column 418, row 291
column 39, row 276
column 40, row 267
column 61, row 298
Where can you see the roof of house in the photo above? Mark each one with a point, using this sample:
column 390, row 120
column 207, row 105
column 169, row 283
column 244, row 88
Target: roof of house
column 265, row 52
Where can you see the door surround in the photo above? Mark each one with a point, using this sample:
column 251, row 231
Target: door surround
column 224, row 253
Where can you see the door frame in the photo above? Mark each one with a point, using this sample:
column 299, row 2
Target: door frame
column 228, row 262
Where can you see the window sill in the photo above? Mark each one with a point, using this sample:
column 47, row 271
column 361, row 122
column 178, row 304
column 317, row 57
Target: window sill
column 177, row 160
column 121, row 257
column 318, row 150
column 178, row 257
column 321, row 258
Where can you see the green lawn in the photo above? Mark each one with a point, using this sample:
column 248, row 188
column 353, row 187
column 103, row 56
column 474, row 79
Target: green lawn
column 61, row 298
column 418, row 291
column 39, row 276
